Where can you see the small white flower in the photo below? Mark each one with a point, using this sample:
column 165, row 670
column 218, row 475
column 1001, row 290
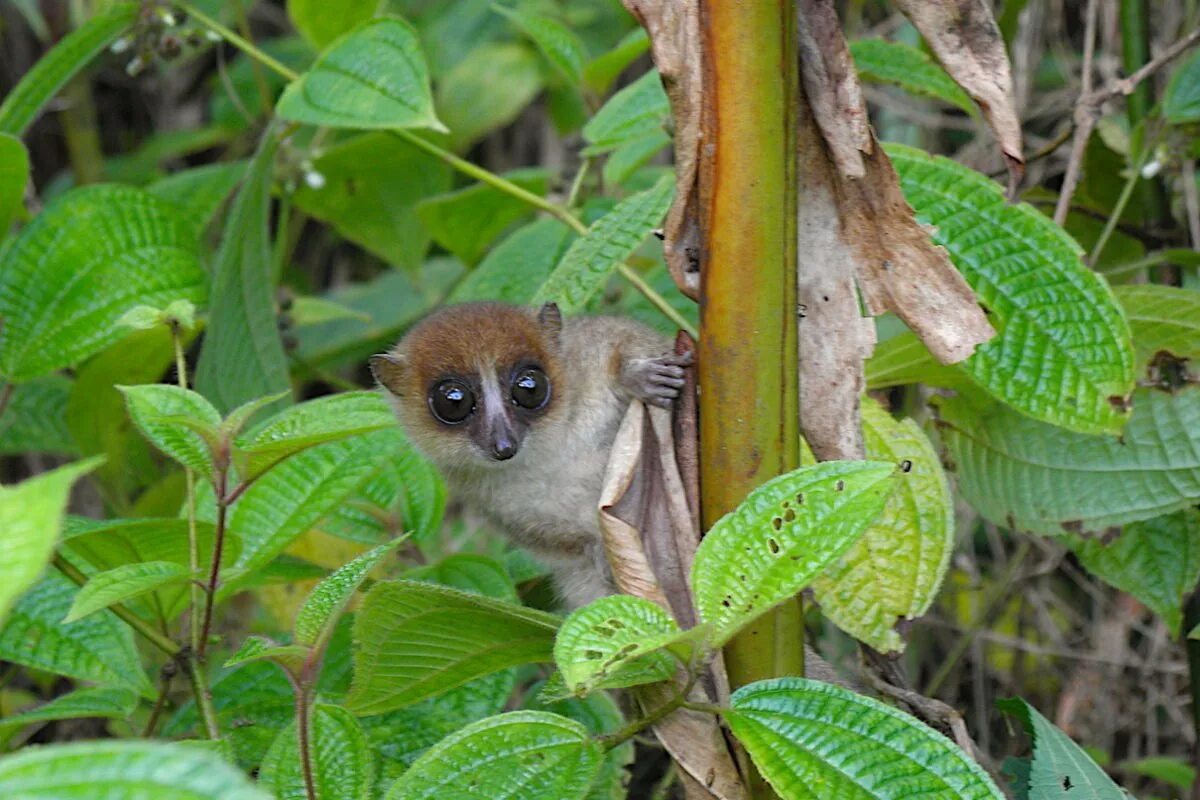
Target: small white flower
column 1151, row 169
column 314, row 179
column 120, row 45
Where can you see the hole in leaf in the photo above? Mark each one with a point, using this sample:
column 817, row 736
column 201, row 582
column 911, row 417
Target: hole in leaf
column 800, row 498
column 593, row 655
column 777, row 523
column 906, row 465
column 839, row 486
column 773, row 546
column 789, row 516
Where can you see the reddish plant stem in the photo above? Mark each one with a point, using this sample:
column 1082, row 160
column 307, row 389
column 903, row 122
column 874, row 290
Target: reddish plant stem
column 214, row 572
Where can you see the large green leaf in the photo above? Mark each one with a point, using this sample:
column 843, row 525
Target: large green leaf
column 201, row 191
column 31, row 515
column 372, row 77
column 98, row 649
column 342, row 762
column 905, row 359
column 558, row 43
column 473, row 103
column 321, row 22
column 468, row 220
column 121, row 770
column 1031, row 476
column 470, row 573
column 615, row 642
column 907, row 67
column 782, row 536
column 121, row 583
column 416, row 640
column 592, row 259
column 52, row 71
column 518, row 266
column 812, row 739
column 894, row 571
column 601, row 71
column 178, row 421
column 327, row 600
column 1156, row 560
column 79, row 704
column 243, row 356
column 90, row 256
column 1162, row 318
column 531, row 755
column 309, row 424
column 638, row 110
column 1181, row 100
column 1062, row 352
column 373, row 183
column 599, row 713
column 35, row 420
column 14, row 175
column 1058, row 765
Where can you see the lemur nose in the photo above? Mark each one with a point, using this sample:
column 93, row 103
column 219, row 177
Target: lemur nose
column 503, row 449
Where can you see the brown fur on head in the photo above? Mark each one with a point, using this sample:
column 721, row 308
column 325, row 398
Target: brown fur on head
column 483, row 345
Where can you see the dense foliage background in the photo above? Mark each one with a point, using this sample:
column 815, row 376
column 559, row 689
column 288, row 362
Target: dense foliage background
column 178, row 214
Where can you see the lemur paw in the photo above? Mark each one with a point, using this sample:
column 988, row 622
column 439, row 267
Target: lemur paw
column 657, row 381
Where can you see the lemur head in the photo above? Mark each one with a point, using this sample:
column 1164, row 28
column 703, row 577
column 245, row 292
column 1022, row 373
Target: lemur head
column 469, row 382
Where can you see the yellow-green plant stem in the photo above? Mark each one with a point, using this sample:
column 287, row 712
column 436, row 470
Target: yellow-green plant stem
column 462, row 165
column 190, row 478
column 1122, row 200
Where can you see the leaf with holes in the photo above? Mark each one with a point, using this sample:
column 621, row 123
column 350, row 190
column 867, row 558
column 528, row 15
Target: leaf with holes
column 1062, row 353
column 802, row 733
column 616, row 642
column 50, row 74
column 781, row 537
column 894, row 571
column 122, row 583
column 342, row 762
column 1030, row 476
column 123, row 769
column 593, row 258
column 522, row 754
column 31, row 514
column 177, row 421
column 373, row 77
column 98, row 649
column 327, row 601
column 905, row 66
column 79, row 704
column 1155, row 560
column 91, row 255
column 1058, row 765
column 396, row 662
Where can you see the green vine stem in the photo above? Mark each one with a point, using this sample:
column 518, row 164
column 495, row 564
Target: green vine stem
column 190, row 477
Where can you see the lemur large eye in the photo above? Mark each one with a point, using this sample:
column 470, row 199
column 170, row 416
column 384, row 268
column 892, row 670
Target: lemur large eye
column 530, row 388
column 452, row 401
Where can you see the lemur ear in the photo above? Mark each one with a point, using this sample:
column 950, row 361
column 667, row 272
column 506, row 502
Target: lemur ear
column 550, row 318
column 389, row 371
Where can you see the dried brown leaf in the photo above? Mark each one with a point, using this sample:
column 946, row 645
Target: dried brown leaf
column 835, row 95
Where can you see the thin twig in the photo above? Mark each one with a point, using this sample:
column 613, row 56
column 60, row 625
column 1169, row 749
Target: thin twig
column 1122, row 200
column 165, row 676
column 214, row 570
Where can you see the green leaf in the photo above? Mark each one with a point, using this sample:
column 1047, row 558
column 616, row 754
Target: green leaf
column 178, row 421
column 522, row 754
column 321, row 22
column 904, row 359
column 235, row 421
column 119, row 584
column 79, row 704
column 395, row 663
column 31, row 515
column 243, row 357
column 316, row 310
column 201, row 191
column 640, row 109
column 803, row 734
column 473, row 103
column 470, row 573
column 309, row 424
column 894, row 571
column 329, row 598
column 90, row 256
column 558, row 43
column 373, row 184
column 615, row 642
column 1156, row 560
column 1172, row 771
column 295, row 495
column 14, row 176
column 782, row 536
column 260, row 648
column 602, row 70
column 468, row 220
column 373, row 77
column 111, row 770
column 98, row 649
column 518, row 266
column 1162, row 318
column 597, row 712
column 1056, row 759
column 1062, row 353
column 35, row 420
column 623, row 163
column 907, row 67
column 593, row 258
column 1030, row 476
column 342, row 762
column 1181, row 101
column 52, row 71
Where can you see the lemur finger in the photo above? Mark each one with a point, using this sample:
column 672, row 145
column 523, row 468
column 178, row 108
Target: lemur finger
column 677, row 359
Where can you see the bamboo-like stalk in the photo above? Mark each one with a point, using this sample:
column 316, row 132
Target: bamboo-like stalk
column 749, row 420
